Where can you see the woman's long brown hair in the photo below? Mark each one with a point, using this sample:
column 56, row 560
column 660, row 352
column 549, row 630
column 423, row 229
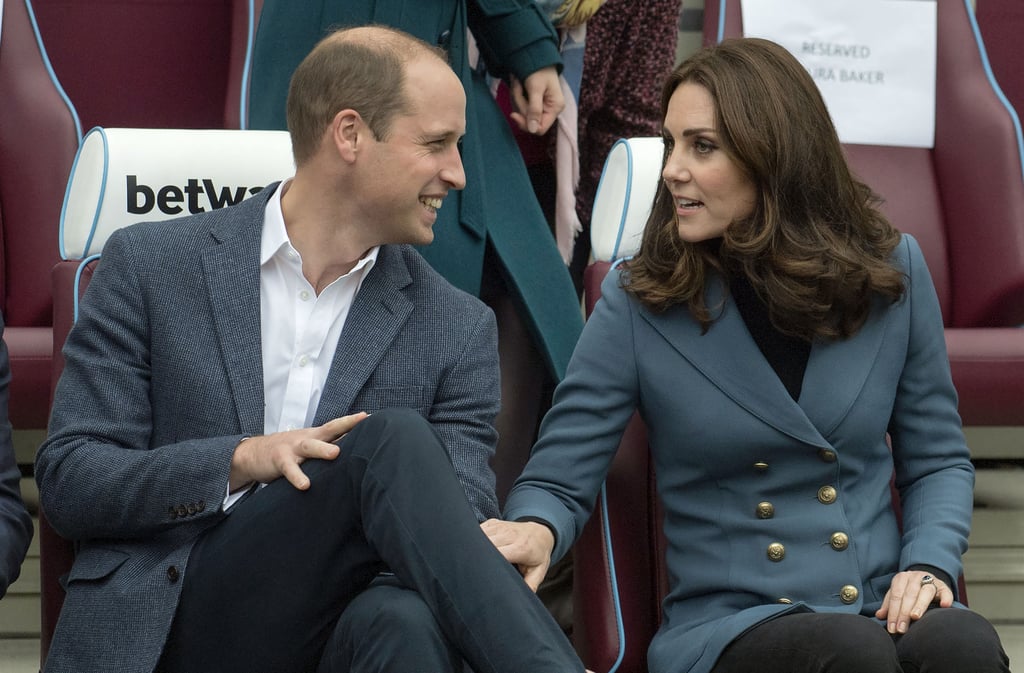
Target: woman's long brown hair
column 816, row 249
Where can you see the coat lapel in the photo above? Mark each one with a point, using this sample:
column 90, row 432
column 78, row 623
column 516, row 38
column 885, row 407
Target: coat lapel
column 233, row 278
column 837, row 371
column 730, row 359
column 378, row 313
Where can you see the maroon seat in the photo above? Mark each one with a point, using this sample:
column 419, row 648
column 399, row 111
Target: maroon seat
column 38, row 139
column 964, row 202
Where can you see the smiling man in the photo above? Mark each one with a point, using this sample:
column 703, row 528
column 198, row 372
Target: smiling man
column 282, row 443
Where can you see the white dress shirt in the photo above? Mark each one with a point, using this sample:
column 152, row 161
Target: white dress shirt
column 299, row 329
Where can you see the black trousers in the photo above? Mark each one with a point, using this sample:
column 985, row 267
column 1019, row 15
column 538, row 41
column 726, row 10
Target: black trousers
column 944, row 640
column 263, row 590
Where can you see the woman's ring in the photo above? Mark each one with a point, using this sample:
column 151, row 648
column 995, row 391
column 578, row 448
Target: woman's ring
column 927, row 579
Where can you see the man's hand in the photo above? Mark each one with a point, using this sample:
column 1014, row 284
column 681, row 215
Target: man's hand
column 525, row 544
column 539, row 102
column 267, row 457
column 908, row 598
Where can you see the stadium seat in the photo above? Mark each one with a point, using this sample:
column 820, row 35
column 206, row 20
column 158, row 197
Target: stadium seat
column 143, row 64
column 962, row 200
column 39, row 134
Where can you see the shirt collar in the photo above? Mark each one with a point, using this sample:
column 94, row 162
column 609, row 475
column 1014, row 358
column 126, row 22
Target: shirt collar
column 275, row 237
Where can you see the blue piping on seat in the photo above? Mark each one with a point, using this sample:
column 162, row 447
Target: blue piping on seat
column 78, row 281
column 616, row 603
column 50, row 72
column 99, row 204
column 994, row 84
column 243, row 95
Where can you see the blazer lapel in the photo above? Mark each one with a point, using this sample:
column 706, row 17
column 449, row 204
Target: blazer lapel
column 730, row 359
column 377, row 314
column 233, row 278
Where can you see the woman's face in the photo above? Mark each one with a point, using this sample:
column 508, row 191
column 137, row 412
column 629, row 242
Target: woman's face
column 709, row 190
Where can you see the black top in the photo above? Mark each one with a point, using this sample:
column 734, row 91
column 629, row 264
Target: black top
column 786, row 354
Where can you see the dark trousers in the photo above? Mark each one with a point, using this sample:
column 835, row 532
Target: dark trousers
column 263, row 590
column 945, row 640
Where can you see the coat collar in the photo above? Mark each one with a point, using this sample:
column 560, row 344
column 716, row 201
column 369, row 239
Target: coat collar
column 730, row 359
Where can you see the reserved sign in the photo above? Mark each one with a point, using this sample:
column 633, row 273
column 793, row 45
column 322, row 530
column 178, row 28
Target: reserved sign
column 873, row 60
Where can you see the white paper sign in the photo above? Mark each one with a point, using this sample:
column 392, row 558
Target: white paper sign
column 873, row 60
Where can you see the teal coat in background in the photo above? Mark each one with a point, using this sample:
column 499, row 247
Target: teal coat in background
column 498, row 203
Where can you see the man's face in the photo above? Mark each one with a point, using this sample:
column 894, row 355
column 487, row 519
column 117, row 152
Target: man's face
column 409, row 174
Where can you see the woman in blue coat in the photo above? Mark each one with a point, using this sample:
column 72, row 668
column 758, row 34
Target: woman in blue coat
column 493, row 233
column 773, row 332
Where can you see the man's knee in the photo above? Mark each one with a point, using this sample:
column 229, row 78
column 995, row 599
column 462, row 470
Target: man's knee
column 396, row 433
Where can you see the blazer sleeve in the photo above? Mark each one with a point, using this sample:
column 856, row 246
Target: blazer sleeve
column 582, row 431
column 514, row 37
column 99, row 474
column 465, row 406
column 934, row 474
column 15, row 522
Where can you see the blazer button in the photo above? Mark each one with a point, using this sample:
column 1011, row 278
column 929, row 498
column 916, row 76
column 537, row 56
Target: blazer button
column 784, row 601
column 839, row 541
column 201, row 505
column 765, row 510
column 182, row 511
column 191, row 509
column 826, row 495
column 827, row 455
column 444, row 39
column 761, row 467
column 173, row 574
column 848, row 594
column 173, row 512
column 776, row 552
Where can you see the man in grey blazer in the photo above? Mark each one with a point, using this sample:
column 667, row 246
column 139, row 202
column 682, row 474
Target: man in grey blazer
column 210, row 449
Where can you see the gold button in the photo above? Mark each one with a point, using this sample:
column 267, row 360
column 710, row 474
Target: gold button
column 765, row 510
column 848, row 594
column 784, row 601
column 827, row 455
column 826, row 495
column 839, row 541
column 776, row 552
column 760, row 467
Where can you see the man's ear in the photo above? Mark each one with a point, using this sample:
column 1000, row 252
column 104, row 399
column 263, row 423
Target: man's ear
column 348, row 132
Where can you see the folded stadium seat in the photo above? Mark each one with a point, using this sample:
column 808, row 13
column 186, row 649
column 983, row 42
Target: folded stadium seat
column 39, row 134
column 963, row 201
column 138, row 63
column 123, row 176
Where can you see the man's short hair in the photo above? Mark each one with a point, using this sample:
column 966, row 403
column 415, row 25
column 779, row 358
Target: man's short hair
column 362, row 69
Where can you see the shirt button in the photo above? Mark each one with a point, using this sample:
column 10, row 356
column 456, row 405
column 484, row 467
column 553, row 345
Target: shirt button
column 839, row 541
column 765, row 510
column 776, row 552
column 827, row 495
column 304, row 295
column 848, row 594
column 173, row 574
column 303, row 360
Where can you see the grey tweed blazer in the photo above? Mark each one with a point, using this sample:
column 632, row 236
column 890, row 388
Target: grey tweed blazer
column 163, row 377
